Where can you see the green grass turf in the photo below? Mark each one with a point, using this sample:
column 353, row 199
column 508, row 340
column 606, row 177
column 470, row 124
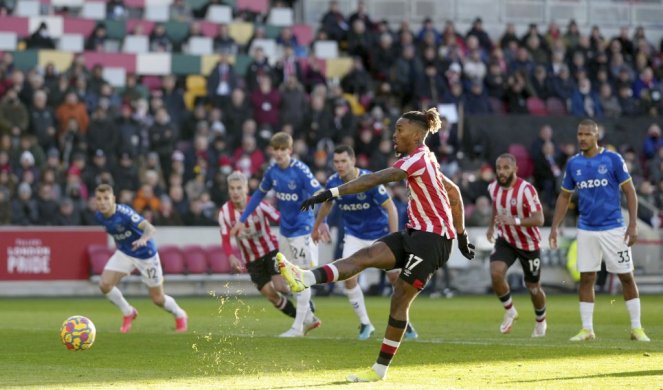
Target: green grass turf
column 232, row 345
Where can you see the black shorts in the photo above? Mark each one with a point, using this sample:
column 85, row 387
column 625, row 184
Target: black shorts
column 262, row 270
column 418, row 254
column 529, row 260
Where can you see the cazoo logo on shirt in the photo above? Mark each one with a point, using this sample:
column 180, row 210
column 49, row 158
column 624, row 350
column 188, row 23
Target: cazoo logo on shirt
column 592, row 183
column 287, row 197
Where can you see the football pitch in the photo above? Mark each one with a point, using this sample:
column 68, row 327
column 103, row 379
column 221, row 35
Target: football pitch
column 232, row 344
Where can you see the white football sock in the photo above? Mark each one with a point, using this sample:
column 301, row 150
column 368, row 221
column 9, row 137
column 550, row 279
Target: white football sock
column 303, row 307
column 171, row 306
column 309, row 278
column 356, row 298
column 380, row 369
column 587, row 315
column 633, row 307
column 115, row 296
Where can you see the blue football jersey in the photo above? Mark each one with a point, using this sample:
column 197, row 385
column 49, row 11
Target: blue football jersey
column 597, row 181
column 292, row 186
column 362, row 213
column 123, row 226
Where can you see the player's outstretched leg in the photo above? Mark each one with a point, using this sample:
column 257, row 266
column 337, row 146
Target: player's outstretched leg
column 410, row 332
column 401, row 299
column 168, row 303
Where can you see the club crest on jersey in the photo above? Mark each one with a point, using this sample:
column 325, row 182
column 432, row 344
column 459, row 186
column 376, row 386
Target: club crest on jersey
column 119, row 228
column 603, row 169
column 513, row 202
column 361, row 196
column 274, row 183
column 292, row 185
column 578, row 172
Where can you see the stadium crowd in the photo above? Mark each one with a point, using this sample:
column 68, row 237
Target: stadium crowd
column 63, row 133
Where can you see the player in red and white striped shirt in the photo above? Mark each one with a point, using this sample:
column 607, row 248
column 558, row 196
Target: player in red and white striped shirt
column 517, row 213
column 258, row 245
column 435, row 209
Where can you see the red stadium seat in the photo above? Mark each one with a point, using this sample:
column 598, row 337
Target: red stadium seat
column 536, row 106
column 172, row 260
column 555, row 106
column 147, row 25
column 98, row 256
column 196, row 259
column 19, row 25
column 257, row 6
column 523, row 159
column 153, row 83
column 78, row 26
column 218, row 260
column 304, row 34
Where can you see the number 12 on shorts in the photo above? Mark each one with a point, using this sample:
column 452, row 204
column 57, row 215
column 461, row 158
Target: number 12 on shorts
column 413, row 261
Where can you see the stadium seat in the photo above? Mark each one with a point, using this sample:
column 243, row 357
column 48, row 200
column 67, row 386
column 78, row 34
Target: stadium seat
column 219, row 14
column 120, row 60
column 196, row 259
column 98, row 256
column 185, row 64
column 523, row 160
column 176, row 31
column 116, row 29
column 60, row 59
column 325, row 49
column 269, row 47
column 242, row 63
column 218, row 261
column 241, row 32
column 200, row 45
column 536, row 106
column 26, row 60
column 8, row 40
column 74, row 43
column 117, row 77
column 153, row 64
column 19, row 26
column 257, row 6
column 136, row 44
column 146, row 25
column 67, row 3
column 272, row 32
column 172, row 260
column 304, row 34
column 157, row 12
column 95, row 10
column 153, row 83
column 55, row 24
column 555, row 106
column 338, row 67
column 28, row 8
column 281, row 17
column 80, row 26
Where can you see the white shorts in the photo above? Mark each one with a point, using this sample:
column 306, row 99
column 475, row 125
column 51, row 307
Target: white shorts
column 352, row 244
column 608, row 245
column 150, row 269
column 304, row 251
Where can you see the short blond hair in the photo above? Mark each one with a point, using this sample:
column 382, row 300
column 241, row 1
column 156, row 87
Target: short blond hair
column 237, row 176
column 104, row 188
column 281, row 140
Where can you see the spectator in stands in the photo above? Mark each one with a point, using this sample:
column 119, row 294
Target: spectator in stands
column 162, row 137
column 103, row 136
column 26, row 169
column 116, row 10
column 547, row 173
column 41, row 38
column 14, row 117
column 180, row 11
column 522, row 62
column 96, row 79
column 146, row 199
column 97, row 39
column 72, row 109
column 426, row 27
column 287, row 66
column 293, row 101
column 646, row 82
column 223, row 42
column 220, row 82
column 167, row 215
column 477, row 31
column 159, row 39
column 343, row 126
column 474, row 68
column 360, row 41
column 563, row 85
column 317, row 122
column 333, row 23
column 431, row 87
column 362, row 14
column 517, row 94
column 68, row 213
column 197, row 214
column 173, row 98
column 383, row 56
column 357, row 81
column 537, row 51
column 266, row 102
column 584, row 102
column 540, row 84
column 5, row 205
column 237, row 113
column 476, row 100
column 404, row 74
column 126, row 174
column 47, row 207
column 287, row 38
column 24, row 209
column 313, row 76
column 653, row 142
column 258, row 67
column 609, row 102
column 482, row 214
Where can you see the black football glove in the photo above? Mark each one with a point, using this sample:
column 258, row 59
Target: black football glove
column 465, row 247
column 315, row 199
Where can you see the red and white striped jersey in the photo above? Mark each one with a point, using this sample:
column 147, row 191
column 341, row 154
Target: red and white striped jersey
column 428, row 208
column 257, row 239
column 520, row 200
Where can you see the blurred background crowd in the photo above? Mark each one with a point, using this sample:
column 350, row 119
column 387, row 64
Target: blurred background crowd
column 63, row 133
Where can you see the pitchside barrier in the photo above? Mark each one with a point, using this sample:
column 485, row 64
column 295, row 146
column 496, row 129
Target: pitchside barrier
column 67, row 262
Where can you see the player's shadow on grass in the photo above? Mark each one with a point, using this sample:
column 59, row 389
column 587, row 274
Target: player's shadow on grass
column 336, row 383
column 612, row 374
